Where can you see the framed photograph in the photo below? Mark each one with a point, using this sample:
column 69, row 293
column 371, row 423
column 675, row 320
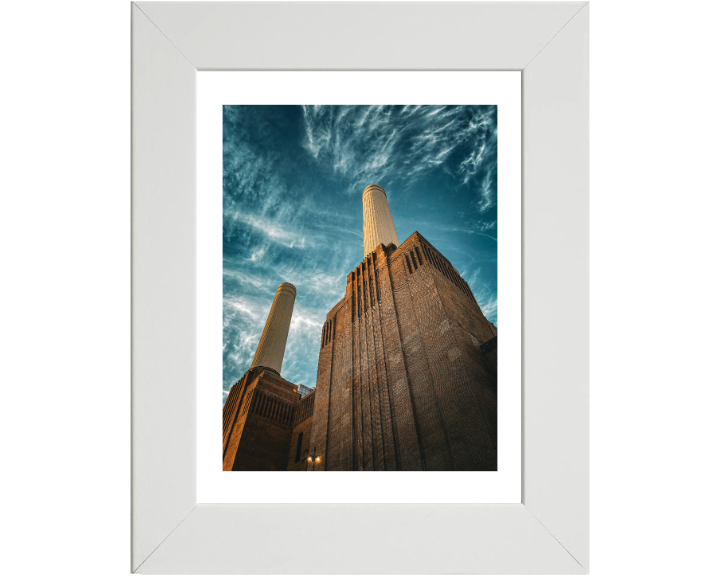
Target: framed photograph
column 335, row 206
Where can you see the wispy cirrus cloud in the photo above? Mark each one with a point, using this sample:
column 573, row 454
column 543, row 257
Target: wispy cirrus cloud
column 401, row 144
column 270, row 228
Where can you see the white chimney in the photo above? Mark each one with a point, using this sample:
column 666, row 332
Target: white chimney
column 271, row 349
column 378, row 226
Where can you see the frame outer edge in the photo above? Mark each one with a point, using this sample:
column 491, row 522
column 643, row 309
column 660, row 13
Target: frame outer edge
column 360, row 35
column 163, row 372
column 556, row 287
column 361, row 539
column 163, row 288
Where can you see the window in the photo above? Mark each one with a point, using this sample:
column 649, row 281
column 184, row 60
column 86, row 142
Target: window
column 299, row 447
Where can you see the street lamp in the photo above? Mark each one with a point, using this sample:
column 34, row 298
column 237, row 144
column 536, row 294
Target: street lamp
column 314, row 459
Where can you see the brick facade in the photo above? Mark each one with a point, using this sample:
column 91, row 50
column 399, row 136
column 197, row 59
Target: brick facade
column 407, row 376
column 407, row 379
column 258, row 421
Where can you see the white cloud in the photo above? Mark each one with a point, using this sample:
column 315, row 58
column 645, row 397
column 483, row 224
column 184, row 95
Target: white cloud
column 336, row 134
column 270, row 229
column 243, row 306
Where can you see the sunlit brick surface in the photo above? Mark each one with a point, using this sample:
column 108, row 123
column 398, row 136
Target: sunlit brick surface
column 407, row 370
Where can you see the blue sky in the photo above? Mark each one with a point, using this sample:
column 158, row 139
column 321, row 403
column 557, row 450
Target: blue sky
column 293, row 178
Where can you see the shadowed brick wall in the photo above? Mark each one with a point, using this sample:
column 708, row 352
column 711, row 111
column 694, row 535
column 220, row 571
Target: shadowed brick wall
column 302, row 424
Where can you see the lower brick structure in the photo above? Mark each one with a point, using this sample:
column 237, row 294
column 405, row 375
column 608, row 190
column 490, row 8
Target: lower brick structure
column 257, row 421
column 407, row 379
column 263, row 418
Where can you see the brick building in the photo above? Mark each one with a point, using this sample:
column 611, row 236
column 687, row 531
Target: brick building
column 407, row 373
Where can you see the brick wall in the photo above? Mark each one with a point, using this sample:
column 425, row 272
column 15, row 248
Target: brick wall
column 258, row 420
column 404, row 381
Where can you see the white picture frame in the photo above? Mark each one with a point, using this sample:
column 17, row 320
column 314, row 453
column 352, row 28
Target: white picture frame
column 548, row 533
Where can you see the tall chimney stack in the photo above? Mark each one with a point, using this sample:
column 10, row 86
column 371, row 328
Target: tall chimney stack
column 271, row 349
column 378, row 226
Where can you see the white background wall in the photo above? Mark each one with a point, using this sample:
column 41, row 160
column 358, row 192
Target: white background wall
column 64, row 264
